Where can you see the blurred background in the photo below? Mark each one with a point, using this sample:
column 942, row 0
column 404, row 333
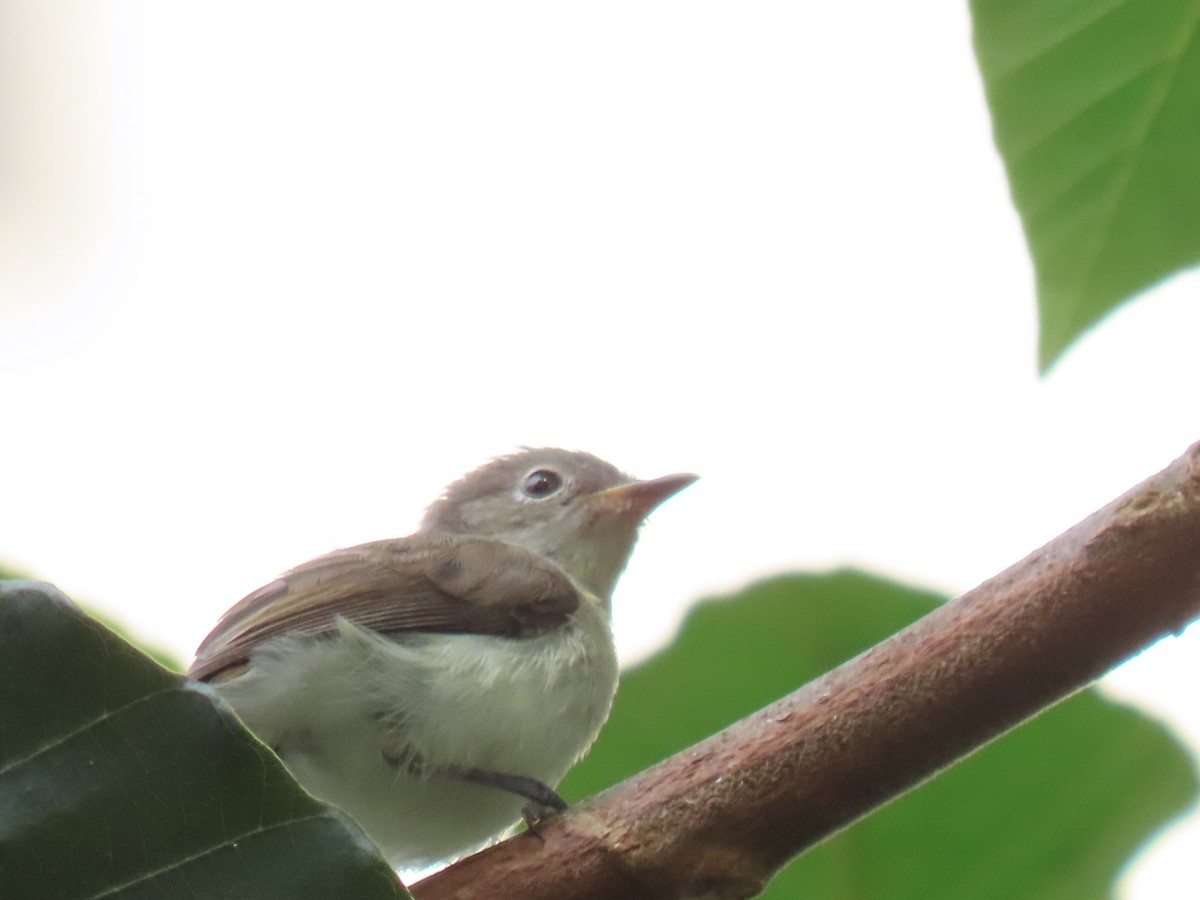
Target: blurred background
column 272, row 275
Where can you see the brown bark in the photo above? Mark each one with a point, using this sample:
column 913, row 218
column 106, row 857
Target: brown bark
column 719, row 818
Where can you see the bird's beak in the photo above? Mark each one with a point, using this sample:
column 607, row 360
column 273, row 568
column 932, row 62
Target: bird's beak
column 634, row 501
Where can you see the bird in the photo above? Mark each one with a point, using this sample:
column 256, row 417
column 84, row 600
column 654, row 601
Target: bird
column 437, row 687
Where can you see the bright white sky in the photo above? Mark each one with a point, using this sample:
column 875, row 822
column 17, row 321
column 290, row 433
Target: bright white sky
column 282, row 271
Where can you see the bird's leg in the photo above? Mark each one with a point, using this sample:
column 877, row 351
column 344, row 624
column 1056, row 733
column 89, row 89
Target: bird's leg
column 522, row 785
column 543, row 799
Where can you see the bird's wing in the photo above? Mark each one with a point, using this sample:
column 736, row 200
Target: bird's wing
column 436, row 583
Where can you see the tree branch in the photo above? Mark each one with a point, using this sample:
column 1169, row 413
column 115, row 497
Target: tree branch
column 719, row 818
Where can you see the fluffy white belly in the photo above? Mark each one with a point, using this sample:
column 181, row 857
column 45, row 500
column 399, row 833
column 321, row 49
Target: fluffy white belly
column 365, row 722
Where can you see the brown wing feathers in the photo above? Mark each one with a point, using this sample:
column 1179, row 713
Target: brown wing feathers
column 422, row 583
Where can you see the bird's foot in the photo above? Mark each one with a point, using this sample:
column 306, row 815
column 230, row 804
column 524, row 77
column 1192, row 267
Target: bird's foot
column 544, row 801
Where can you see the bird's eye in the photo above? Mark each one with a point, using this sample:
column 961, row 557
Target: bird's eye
column 542, row 483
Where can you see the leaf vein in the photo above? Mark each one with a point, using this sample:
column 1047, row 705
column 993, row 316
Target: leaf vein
column 1156, row 99
column 66, row 737
column 181, row 861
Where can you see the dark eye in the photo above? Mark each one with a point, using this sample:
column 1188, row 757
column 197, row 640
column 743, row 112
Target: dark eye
column 542, row 483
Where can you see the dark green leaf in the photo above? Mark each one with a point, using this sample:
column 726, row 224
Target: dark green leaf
column 121, row 780
column 1052, row 810
column 1095, row 105
column 162, row 657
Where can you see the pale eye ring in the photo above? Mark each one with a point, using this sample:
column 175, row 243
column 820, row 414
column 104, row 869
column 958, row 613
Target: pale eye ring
column 541, row 483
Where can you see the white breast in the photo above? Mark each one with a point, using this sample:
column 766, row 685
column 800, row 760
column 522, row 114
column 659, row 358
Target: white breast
column 339, row 709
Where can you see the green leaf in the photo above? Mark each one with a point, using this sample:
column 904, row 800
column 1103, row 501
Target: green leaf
column 1054, row 809
column 119, row 779
column 162, row 657
column 1095, row 105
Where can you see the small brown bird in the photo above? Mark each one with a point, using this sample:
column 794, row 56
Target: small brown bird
column 436, row 685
